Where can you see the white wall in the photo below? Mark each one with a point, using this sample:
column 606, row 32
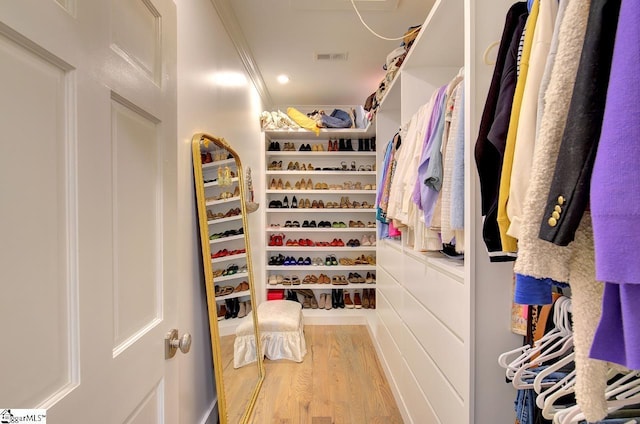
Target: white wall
column 233, row 113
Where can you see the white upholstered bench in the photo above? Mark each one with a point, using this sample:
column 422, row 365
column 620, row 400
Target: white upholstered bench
column 281, row 334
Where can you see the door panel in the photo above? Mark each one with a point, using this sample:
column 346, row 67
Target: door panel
column 136, row 35
column 37, row 225
column 149, row 410
column 137, row 214
column 88, row 193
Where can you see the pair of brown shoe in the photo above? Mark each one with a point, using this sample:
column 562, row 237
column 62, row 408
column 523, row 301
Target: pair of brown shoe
column 369, row 298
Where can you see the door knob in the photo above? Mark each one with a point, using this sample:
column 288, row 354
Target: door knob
column 172, row 343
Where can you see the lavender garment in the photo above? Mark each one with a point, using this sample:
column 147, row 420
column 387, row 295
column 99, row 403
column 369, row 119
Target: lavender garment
column 617, row 338
column 427, row 143
column 432, row 171
column 615, row 200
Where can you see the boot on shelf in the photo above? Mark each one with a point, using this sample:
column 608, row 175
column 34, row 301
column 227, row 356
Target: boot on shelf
column 347, row 301
column 365, row 298
column 229, row 306
column 342, row 146
column 348, row 146
column 291, row 295
column 373, row 144
column 222, row 312
column 236, row 307
column 367, row 144
column 360, row 145
column 357, row 302
column 242, row 310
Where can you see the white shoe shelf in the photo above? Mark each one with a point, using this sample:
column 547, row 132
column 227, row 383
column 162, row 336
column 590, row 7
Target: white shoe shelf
column 340, row 171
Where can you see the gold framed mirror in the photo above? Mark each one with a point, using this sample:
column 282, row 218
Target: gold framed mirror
column 221, row 198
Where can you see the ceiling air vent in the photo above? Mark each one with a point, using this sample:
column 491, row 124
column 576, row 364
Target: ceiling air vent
column 331, row 56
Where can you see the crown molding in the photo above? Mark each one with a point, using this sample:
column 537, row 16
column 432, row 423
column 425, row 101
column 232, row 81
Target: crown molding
column 233, row 28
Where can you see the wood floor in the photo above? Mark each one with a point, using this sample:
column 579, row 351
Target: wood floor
column 339, row 381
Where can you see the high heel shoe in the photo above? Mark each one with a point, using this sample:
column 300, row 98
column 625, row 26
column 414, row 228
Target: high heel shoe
column 279, row 185
column 294, row 202
column 285, row 202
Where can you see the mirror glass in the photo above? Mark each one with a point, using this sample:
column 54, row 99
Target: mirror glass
column 223, row 204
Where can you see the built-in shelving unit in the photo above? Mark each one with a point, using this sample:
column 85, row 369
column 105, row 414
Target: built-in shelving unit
column 339, row 171
column 441, row 323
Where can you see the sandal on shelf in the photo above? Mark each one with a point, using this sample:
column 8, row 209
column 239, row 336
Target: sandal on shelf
column 226, row 290
column 244, row 286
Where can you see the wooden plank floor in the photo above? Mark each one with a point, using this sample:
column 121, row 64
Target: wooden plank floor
column 339, row 381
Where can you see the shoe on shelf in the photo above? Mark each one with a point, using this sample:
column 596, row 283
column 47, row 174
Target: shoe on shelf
column 347, row 301
column 314, row 301
column 306, row 302
column 229, row 308
column 222, row 312
column 242, row 310
column 357, row 302
column 322, row 301
column 365, row 298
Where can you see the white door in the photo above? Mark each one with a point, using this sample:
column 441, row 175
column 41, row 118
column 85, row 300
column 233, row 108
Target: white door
column 88, row 209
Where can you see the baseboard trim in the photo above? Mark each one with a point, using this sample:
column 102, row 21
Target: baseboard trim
column 387, row 371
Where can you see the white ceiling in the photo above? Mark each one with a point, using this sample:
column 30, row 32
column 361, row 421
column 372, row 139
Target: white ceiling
column 283, row 36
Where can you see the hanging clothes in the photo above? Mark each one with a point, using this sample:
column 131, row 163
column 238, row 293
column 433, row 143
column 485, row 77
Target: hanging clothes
column 577, row 153
column 509, row 243
column 525, row 137
column 615, row 200
column 456, row 106
column 457, row 178
column 539, row 262
column 489, row 147
column 539, row 259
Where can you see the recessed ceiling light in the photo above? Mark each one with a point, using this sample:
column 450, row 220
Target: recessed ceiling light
column 283, row 79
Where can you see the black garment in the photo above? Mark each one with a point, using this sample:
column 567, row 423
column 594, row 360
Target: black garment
column 572, row 176
column 494, row 124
